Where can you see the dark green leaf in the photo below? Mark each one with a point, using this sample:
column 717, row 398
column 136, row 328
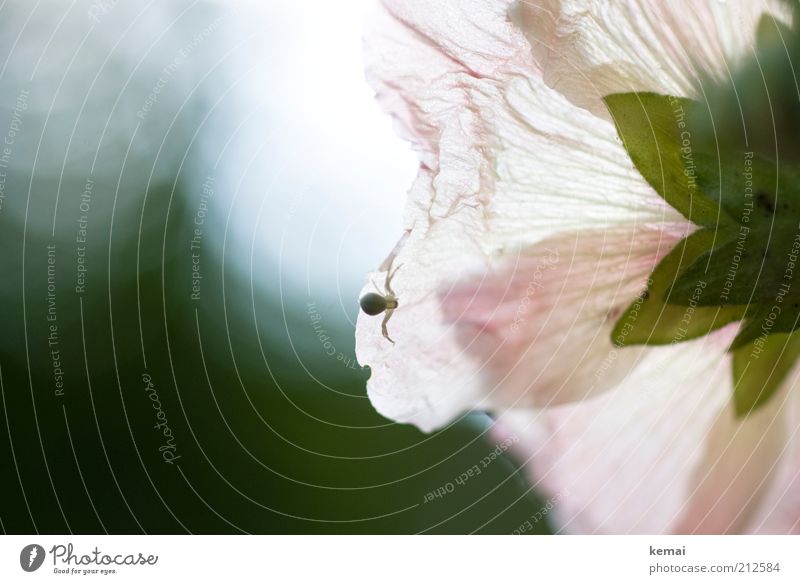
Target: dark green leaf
column 657, row 317
column 758, row 266
column 781, row 317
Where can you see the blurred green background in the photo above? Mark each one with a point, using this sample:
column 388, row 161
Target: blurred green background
column 269, row 433
column 273, row 435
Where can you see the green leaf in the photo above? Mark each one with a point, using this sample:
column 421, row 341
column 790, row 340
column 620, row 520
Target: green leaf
column 655, row 133
column 747, row 186
column 657, row 317
column 732, row 166
column 730, row 274
column 781, row 317
column 772, row 34
column 759, row 265
column 760, row 367
column 756, row 108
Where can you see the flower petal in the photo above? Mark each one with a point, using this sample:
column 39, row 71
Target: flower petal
column 621, row 463
column 558, row 167
column 416, row 52
column 530, row 329
column 740, row 460
column 507, row 165
column 779, row 511
column 662, row 453
column 538, row 325
column 592, row 48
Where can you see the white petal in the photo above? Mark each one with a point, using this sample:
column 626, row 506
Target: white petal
column 591, row 48
column 508, row 166
column 403, row 385
column 740, row 462
column 416, row 51
column 622, row 462
column 558, row 167
column 779, row 511
column 661, row 453
column 530, row 329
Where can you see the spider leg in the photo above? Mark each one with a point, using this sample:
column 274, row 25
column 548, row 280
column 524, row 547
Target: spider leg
column 389, row 279
column 386, row 318
column 374, row 285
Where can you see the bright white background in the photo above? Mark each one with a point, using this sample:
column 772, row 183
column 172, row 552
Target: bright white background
column 331, row 173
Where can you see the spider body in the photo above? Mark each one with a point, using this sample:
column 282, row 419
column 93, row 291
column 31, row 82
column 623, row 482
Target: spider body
column 375, row 303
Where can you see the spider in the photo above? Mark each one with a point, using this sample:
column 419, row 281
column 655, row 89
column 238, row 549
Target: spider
column 374, row 303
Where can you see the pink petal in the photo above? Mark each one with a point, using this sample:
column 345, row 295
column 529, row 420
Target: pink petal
column 530, row 329
column 538, row 325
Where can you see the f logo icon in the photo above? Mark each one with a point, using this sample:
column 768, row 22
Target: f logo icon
column 31, row 557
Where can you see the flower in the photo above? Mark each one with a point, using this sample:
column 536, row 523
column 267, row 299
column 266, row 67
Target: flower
column 530, row 232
